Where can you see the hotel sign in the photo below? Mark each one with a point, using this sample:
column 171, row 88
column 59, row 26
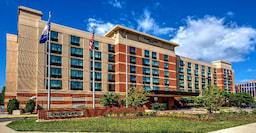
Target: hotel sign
column 65, row 114
column 149, row 40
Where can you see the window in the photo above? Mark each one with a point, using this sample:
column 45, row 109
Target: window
column 189, row 64
column 96, row 45
column 181, row 70
column 146, row 71
column 209, row 69
column 188, row 71
column 111, row 48
column 76, row 52
column 75, row 40
column 132, row 69
column 97, row 66
column 55, row 84
column 224, row 76
column 209, row 75
column 224, row 71
column 196, row 79
column 203, row 74
column 225, row 82
column 55, row 72
column 229, row 77
column 146, row 80
column 203, row 80
column 197, row 86
column 76, row 74
column 155, row 72
column 154, row 55
column 97, row 87
column 147, row 88
column 203, row 86
column 189, row 78
column 111, row 77
column 182, row 84
column 214, row 70
column 55, row 48
column 196, row 66
column 76, row 85
column 97, row 55
column 156, row 81
column 196, row 72
column 165, row 57
column 55, row 60
column 202, row 68
column 181, row 77
column 228, row 71
column 166, row 65
column 166, row 73
column 214, row 76
column 97, row 76
column 111, row 67
column 146, row 53
column 155, row 88
column 133, row 78
column 111, row 58
column 166, row 81
column 209, row 81
column 132, row 50
column 166, row 88
column 145, row 62
column 54, row 36
column 111, row 87
column 189, row 85
column 155, row 63
column 181, row 63
column 133, row 59
column 76, row 63
column 215, row 82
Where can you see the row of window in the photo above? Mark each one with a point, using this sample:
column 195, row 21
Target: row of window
column 147, row 54
column 197, row 66
column 181, row 70
column 181, row 84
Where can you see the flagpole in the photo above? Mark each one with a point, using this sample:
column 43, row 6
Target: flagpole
column 126, row 65
column 49, row 67
column 93, row 73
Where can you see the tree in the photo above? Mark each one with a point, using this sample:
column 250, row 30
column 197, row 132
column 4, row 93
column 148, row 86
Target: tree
column 2, row 96
column 213, row 98
column 239, row 98
column 30, row 106
column 13, row 104
column 137, row 98
column 109, row 99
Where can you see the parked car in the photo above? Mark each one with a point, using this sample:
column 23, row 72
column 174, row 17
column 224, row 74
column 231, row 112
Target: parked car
column 248, row 106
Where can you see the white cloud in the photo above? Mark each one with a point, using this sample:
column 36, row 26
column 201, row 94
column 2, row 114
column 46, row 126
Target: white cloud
column 230, row 14
column 100, row 27
column 116, row 3
column 211, row 38
column 251, row 70
column 244, row 80
column 148, row 25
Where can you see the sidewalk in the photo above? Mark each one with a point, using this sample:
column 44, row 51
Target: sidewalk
column 249, row 128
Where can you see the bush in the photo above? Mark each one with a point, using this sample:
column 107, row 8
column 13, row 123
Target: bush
column 158, row 106
column 13, row 104
column 139, row 114
column 124, row 113
column 243, row 112
column 254, row 111
column 30, row 106
column 223, row 112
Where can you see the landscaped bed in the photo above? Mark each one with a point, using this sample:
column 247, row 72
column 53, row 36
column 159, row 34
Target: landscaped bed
column 169, row 122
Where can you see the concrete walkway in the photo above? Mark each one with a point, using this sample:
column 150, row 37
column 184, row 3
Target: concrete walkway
column 249, row 128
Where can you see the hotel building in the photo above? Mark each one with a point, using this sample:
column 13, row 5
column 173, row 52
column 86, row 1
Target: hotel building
column 152, row 65
column 248, row 87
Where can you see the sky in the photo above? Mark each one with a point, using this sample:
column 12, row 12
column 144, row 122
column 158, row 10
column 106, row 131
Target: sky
column 206, row 30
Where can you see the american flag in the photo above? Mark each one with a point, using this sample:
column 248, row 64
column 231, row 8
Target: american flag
column 91, row 40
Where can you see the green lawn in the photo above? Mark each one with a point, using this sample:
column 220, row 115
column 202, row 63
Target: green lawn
column 154, row 124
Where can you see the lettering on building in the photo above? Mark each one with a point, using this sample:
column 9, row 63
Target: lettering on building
column 65, row 114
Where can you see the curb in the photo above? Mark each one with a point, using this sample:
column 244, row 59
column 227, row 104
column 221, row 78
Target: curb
column 15, row 116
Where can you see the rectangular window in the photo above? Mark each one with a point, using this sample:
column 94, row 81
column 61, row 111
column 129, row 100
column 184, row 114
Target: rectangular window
column 196, row 79
column 97, row 76
column 156, row 81
column 54, row 36
column 78, row 52
column 97, row 55
column 209, row 69
column 132, row 69
column 55, row 48
column 215, row 82
column 155, row 63
column 203, row 80
column 154, row 56
column 155, row 88
column 132, row 59
column 133, row 78
column 111, row 77
column 182, row 84
column 224, row 76
column 166, row 58
column 196, row 66
column 189, row 85
column 111, row 58
column 188, row 71
column 76, row 63
column 98, row 87
column 111, row 67
column 111, row 87
column 166, row 81
column 166, row 65
column 209, row 75
column 209, row 81
column 55, row 84
column 146, row 53
column 146, row 71
column 155, row 72
column 181, row 77
column 181, row 70
column 181, row 63
column 55, row 72
column 166, row 88
column 202, row 68
column 189, row 64
column 214, row 75
column 75, row 40
column 214, row 70
column 111, row 48
column 196, row 72
column 224, row 71
column 225, row 82
column 146, row 80
column 76, row 74
column 229, row 77
column 203, row 86
column 146, row 62
column 76, row 85
column 55, row 60
column 203, row 74
column 97, row 65
column 132, row 50
column 96, row 45
column 189, row 78
column 147, row 88
column 166, row 74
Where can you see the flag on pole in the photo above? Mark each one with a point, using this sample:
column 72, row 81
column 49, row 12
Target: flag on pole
column 45, row 35
column 91, row 41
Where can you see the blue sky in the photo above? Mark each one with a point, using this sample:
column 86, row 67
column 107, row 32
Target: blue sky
column 206, row 30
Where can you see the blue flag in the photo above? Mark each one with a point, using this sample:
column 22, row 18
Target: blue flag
column 45, row 35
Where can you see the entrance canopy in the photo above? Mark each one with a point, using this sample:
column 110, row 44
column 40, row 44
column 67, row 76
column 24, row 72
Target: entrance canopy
column 172, row 93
